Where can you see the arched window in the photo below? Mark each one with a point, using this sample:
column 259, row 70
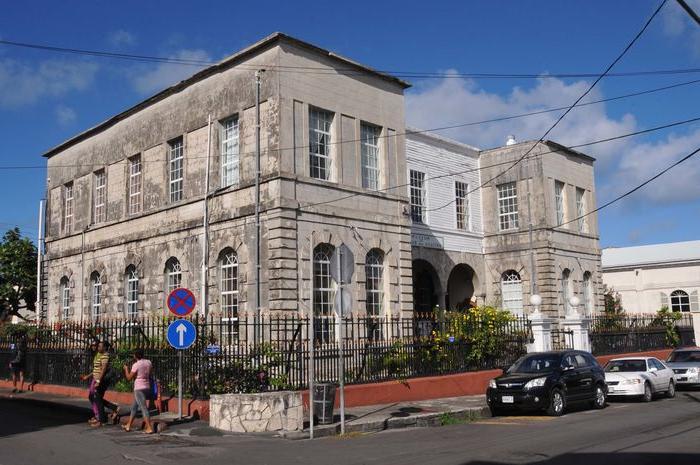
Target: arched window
column 512, row 292
column 173, row 275
column 566, row 289
column 228, row 284
column 374, row 272
column 65, row 298
column 96, row 295
column 323, row 283
column 588, row 293
column 131, row 291
column 680, row 301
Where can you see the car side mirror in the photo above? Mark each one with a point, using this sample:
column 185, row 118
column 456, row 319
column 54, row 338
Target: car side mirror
column 504, row 370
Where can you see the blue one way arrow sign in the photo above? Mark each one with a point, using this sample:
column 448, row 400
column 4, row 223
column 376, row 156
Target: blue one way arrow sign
column 181, row 334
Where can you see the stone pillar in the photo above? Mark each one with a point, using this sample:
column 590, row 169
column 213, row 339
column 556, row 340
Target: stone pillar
column 696, row 326
column 579, row 326
column 541, row 333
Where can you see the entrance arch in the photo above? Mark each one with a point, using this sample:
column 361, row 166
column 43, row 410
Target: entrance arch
column 426, row 287
column 460, row 287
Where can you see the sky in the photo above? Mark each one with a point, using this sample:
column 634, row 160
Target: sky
column 45, row 98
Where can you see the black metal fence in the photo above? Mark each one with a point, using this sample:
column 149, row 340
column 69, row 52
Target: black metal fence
column 227, row 357
column 616, row 334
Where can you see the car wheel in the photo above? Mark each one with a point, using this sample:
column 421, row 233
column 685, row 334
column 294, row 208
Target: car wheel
column 557, row 403
column 648, row 396
column 671, row 392
column 600, row 398
column 496, row 412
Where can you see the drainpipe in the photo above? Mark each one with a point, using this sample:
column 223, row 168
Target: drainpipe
column 39, row 256
column 205, row 227
column 82, row 275
column 258, row 330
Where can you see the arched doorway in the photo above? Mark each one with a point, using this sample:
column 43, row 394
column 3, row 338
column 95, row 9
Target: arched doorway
column 460, row 287
column 426, row 286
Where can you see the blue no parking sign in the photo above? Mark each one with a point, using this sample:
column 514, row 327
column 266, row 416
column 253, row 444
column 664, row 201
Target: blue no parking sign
column 181, row 334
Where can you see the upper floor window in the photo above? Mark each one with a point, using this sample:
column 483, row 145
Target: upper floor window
column 507, row 206
column 319, row 143
column 65, row 298
column 581, row 210
column 68, row 207
column 230, row 157
column 100, row 197
column 417, row 195
column 512, row 292
column 370, row 156
column 173, row 275
column 135, row 196
column 559, row 201
column 96, row 300
column 176, row 170
column 132, row 292
column 462, row 205
column 680, row 301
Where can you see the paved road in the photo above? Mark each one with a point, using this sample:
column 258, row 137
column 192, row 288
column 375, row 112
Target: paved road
column 664, row 432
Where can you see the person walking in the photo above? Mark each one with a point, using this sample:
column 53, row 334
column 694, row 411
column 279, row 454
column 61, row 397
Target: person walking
column 99, row 383
column 17, row 362
column 140, row 373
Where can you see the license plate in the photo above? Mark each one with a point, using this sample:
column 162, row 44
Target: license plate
column 682, row 378
column 507, row 399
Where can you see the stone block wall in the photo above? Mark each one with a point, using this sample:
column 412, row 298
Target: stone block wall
column 257, row 413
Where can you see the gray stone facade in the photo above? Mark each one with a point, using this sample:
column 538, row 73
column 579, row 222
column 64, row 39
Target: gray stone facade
column 257, row 413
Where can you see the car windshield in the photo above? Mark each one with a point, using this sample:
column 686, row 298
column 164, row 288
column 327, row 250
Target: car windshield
column 616, row 366
column 685, row 356
column 542, row 363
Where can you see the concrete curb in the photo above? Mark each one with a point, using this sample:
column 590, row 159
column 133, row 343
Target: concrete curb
column 47, row 402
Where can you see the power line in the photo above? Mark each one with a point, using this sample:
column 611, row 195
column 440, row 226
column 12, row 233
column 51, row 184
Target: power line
column 563, row 115
column 689, row 10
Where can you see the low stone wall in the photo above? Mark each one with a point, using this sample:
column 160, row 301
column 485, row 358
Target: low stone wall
column 256, row 413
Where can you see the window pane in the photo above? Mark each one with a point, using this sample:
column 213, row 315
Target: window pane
column 417, row 195
column 68, row 208
column 229, row 152
column 100, row 197
column 680, row 301
column 462, row 205
column 176, row 169
column 581, row 210
column 374, row 268
column 507, row 206
column 319, row 143
column 135, row 196
column 132, row 292
column 370, row 156
column 173, row 273
column 229, row 285
column 559, row 201
column 96, row 297
column 512, row 292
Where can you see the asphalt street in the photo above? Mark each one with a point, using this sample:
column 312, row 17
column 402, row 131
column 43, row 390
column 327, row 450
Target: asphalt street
column 664, row 432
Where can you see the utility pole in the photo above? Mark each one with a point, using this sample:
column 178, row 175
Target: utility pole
column 39, row 256
column 205, row 227
column 258, row 321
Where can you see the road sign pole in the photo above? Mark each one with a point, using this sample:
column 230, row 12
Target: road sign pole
column 179, row 384
column 311, row 336
column 341, row 356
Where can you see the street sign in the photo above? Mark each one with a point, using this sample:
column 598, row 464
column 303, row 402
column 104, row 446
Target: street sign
column 181, row 302
column 347, row 264
column 344, row 304
column 181, row 334
column 213, row 349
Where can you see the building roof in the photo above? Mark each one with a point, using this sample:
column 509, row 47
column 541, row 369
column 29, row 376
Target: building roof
column 656, row 254
column 350, row 66
column 415, row 132
column 555, row 146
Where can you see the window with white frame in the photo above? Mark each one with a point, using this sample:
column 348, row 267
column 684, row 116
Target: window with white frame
column 99, row 196
column 507, row 206
column 370, row 156
column 588, row 293
column 132, row 292
column 173, row 275
column 512, row 292
column 680, row 301
column 230, row 156
column 566, row 289
column 176, row 158
column 581, row 210
column 462, row 205
column 323, row 293
column 65, row 298
column 96, row 297
column 228, row 268
column 320, row 143
column 559, row 201
column 135, row 195
column 417, row 195
column 68, row 207
column 374, row 271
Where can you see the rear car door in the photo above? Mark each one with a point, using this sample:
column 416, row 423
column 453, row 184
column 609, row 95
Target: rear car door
column 571, row 377
column 665, row 374
column 654, row 375
column 586, row 373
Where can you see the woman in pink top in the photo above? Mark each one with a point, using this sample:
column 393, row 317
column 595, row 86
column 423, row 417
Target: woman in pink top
column 141, row 372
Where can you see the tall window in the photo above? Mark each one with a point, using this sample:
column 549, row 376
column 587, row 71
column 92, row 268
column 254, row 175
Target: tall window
column 68, row 207
column 65, row 298
column 132, row 292
column 370, row 156
column 100, row 196
column 319, row 143
column 462, row 205
column 680, row 301
column 323, row 283
column 229, row 152
column 512, row 292
column 417, row 195
column 176, row 168
column 96, row 300
column 228, row 267
column 135, row 196
column 507, row 206
column 588, row 293
column 374, row 271
column 581, row 209
column 566, row 289
column 559, row 201
column 173, row 275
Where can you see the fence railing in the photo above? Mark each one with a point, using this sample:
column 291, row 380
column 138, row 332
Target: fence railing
column 615, row 334
column 227, row 358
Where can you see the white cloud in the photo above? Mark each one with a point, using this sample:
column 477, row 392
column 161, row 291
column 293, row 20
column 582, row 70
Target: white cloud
column 621, row 164
column 679, row 25
column 22, row 84
column 148, row 80
column 65, row 115
column 122, row 38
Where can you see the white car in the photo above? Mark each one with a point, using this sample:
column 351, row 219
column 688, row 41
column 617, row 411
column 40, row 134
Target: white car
column 639, row 377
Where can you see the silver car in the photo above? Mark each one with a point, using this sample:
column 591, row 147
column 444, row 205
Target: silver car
column 685, row 364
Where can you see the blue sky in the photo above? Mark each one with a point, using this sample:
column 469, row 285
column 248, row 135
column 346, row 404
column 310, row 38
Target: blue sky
column 45, row 98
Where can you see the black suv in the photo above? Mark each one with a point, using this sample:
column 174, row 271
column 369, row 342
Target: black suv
column 548, row 381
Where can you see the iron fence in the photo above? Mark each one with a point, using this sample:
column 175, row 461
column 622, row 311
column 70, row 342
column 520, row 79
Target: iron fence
column 227, row 358
column 615, row 334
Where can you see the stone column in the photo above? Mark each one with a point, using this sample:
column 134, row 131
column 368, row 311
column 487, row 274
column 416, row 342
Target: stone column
column 696, row 326
column 578, row 325
column 541, row 333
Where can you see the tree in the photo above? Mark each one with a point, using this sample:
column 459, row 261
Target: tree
column 17, row 275
column 613, row 302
